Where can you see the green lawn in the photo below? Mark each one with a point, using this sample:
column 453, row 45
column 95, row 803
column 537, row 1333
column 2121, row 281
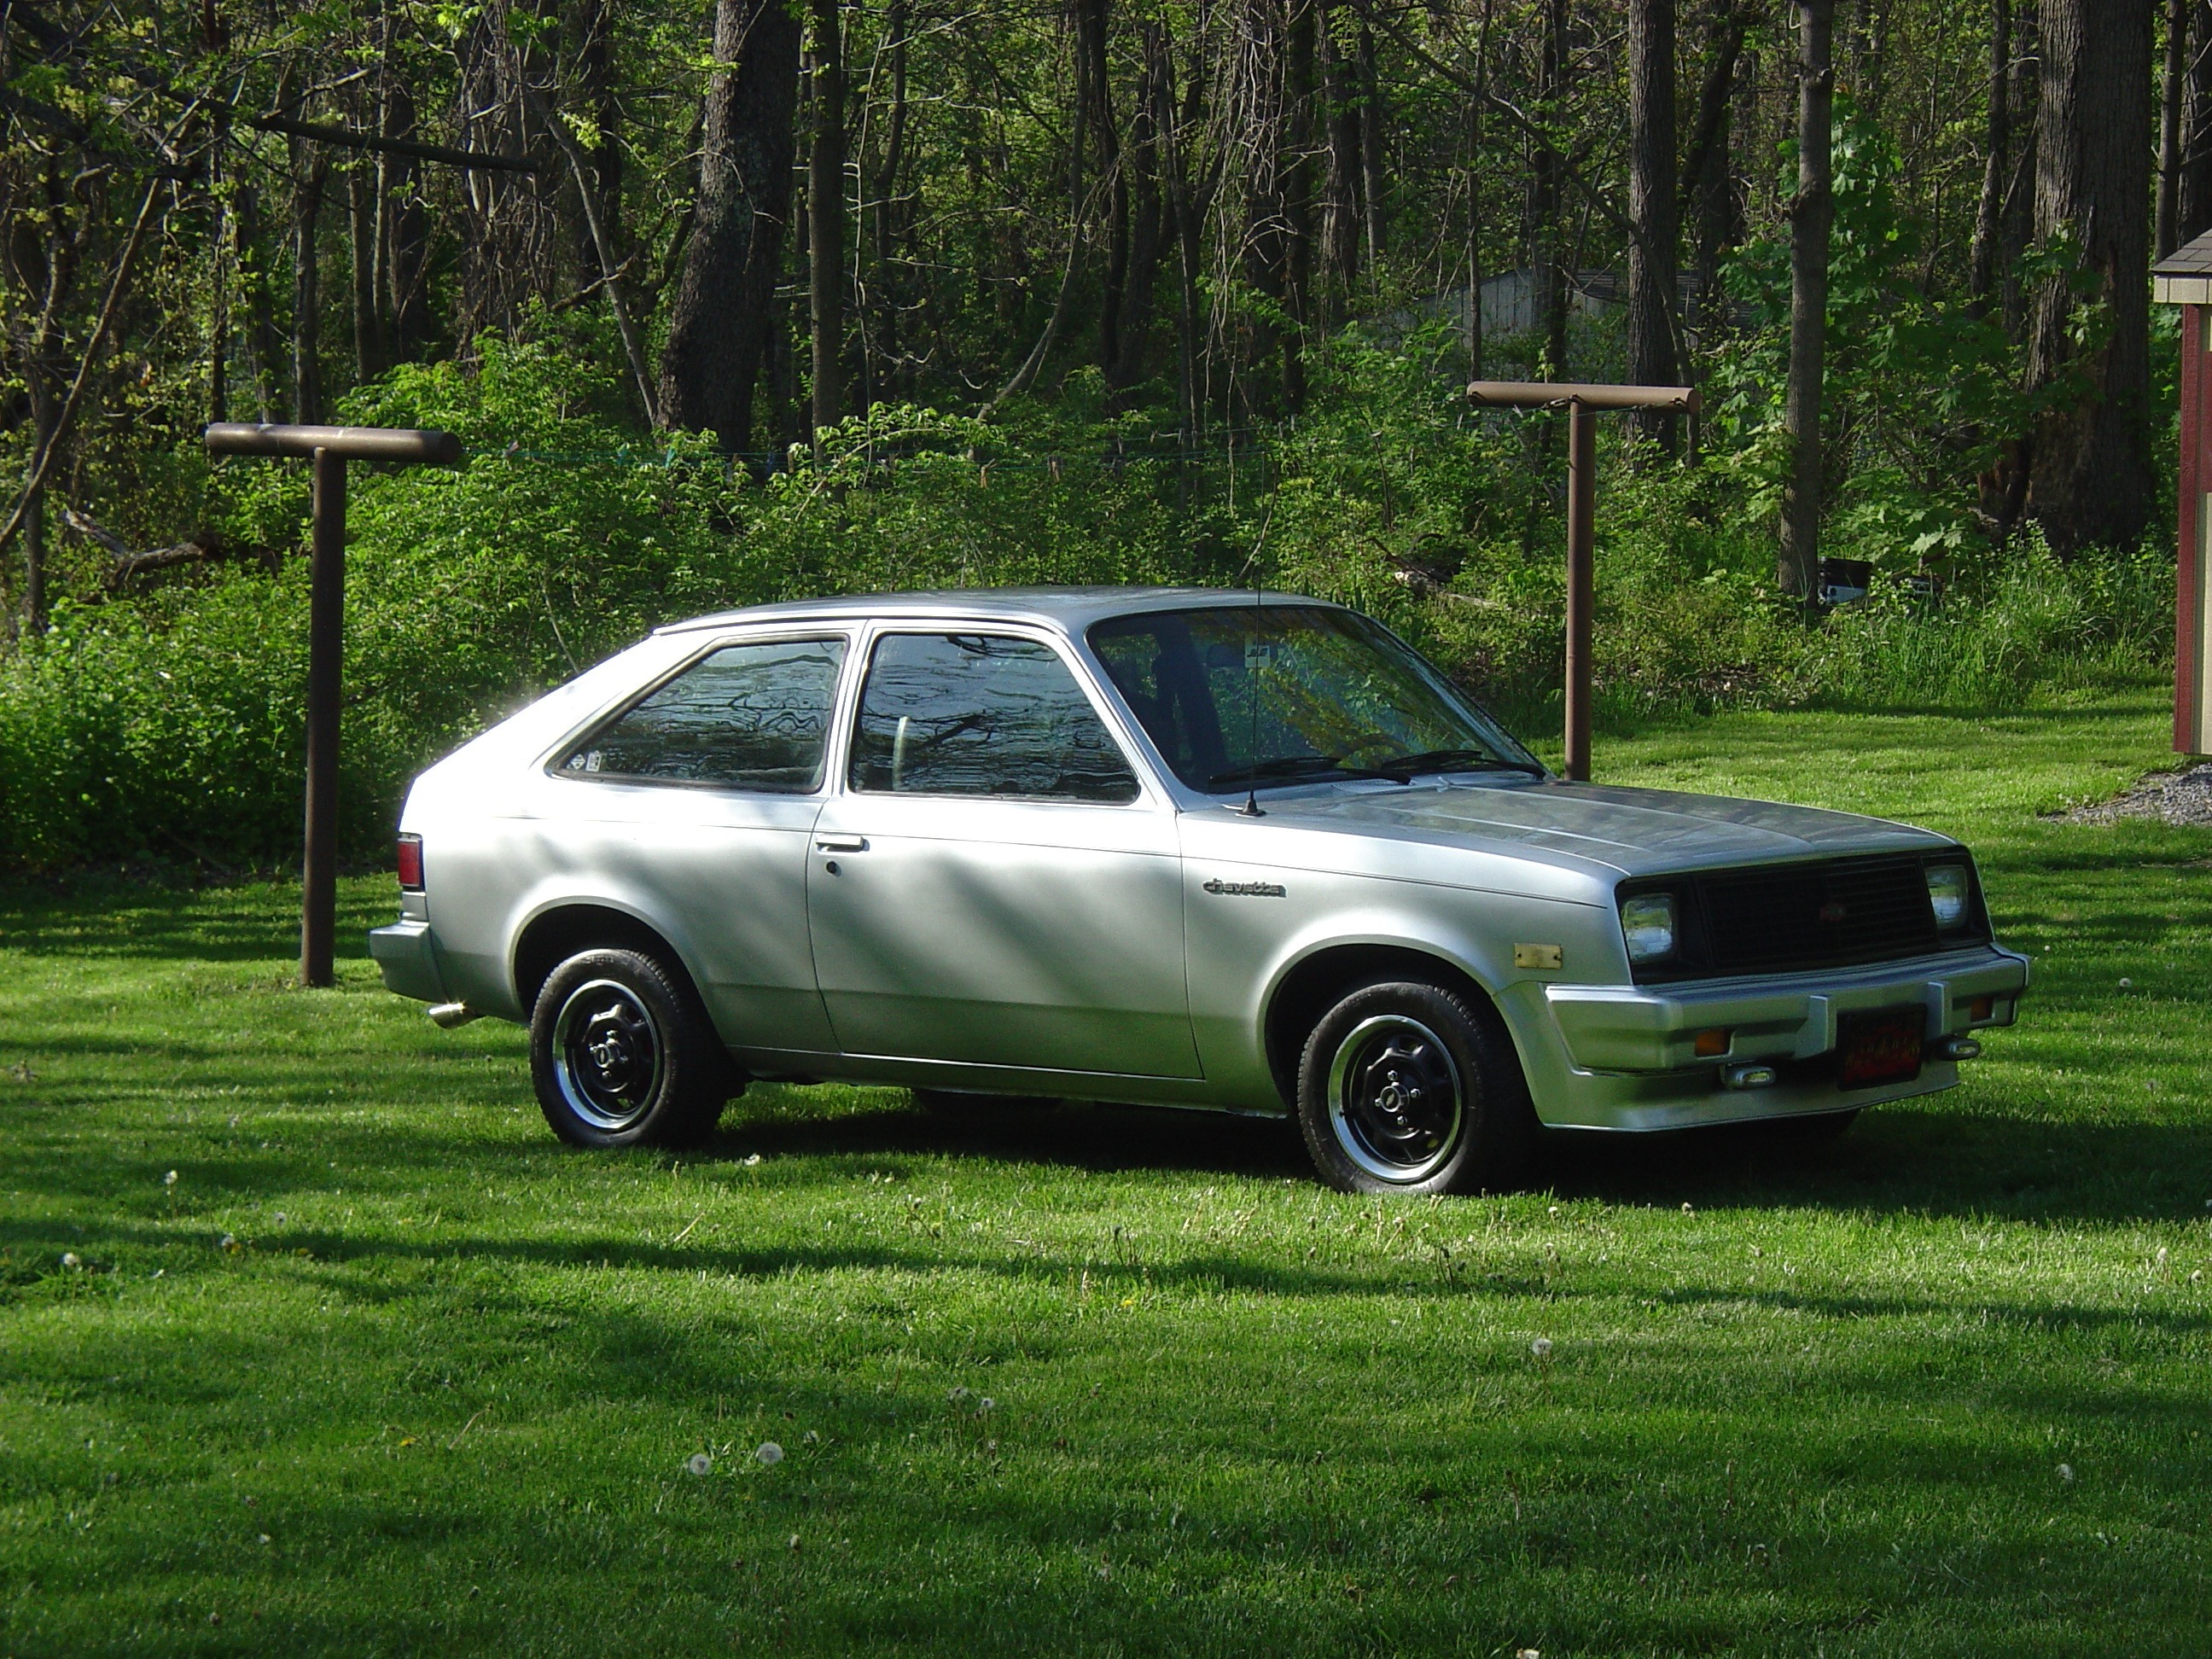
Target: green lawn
column 386, row 1371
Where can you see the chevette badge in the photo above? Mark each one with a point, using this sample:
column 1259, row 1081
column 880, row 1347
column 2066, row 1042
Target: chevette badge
column 1248, row 889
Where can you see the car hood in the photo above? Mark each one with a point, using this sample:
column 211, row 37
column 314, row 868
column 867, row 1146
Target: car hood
column 1635, row 831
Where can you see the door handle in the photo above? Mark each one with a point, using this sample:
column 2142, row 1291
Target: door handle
column 841, row 844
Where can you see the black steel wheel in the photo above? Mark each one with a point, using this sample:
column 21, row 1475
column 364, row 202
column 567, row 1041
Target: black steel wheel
column 1410, row 1086
column 622, row 1053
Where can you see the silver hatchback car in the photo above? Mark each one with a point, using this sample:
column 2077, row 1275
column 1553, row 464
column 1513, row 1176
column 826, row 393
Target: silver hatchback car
column 1176, row 846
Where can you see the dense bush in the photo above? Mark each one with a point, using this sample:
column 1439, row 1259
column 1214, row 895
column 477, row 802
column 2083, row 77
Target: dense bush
column 169, row 726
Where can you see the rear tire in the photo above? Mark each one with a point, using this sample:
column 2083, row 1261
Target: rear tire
column 623, row 1055
column 1407, row 1086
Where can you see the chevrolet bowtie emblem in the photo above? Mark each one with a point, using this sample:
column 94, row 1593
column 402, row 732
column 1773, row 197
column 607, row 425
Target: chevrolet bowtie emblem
column 1833, row 912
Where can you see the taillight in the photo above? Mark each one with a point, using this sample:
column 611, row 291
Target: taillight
column 410, row 864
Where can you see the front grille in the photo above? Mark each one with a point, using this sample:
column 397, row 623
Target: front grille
column 1780, row 918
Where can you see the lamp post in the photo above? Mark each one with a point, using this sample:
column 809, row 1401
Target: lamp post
column 330, row 447
column 1581, row 402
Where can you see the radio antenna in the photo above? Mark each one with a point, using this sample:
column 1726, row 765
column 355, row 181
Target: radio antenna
column 1251, row 807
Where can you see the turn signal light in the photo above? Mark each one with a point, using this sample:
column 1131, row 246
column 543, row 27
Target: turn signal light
column 1711, row 1045
column 410, row 864
column 1979, row 1010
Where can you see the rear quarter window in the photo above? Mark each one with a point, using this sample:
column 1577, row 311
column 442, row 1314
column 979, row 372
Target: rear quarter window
column 753, row 716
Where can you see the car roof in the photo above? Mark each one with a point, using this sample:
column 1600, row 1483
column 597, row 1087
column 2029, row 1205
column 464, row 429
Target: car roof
column 1072, row 609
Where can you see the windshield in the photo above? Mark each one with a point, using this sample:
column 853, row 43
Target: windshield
column 1236, row 697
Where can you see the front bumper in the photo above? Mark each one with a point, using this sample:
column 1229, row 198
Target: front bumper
column 409, row 959
column 1624, row 1057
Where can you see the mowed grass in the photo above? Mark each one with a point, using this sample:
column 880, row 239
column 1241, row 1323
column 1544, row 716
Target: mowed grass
column 1109, row 1381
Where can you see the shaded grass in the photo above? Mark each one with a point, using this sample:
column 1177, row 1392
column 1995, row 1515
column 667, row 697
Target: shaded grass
column 1799, row 1400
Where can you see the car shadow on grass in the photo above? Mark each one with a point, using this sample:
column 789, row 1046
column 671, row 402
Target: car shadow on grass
column 1906, row 1158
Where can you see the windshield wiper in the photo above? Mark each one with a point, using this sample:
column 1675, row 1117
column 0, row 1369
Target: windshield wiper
column 1405, row 767
column 1284, row 769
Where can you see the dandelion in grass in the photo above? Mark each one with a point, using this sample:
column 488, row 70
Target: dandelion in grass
column 69, row 1259
column 986, row 1404
column 700, row 1463
column 170, row 1179
column 1542, row 1347
column 956, row 1394
column 2066, row 1474
column 230, row 1241
column 751, row 1159
column 769, row 1454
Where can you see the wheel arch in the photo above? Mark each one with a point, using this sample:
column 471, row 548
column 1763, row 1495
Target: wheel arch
column 1309, row 986
column 565, row 927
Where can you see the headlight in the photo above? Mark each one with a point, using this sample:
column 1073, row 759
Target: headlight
column 1946, row 894
column 1647, row 924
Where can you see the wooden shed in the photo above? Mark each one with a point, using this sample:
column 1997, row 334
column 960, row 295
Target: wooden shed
column 2184, row 278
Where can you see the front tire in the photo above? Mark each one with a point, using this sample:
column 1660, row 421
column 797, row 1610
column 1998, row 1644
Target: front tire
column 622, row 1053
column 1407, row 1086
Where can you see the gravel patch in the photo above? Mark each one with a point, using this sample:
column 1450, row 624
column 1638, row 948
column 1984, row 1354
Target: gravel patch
column 2183, row 797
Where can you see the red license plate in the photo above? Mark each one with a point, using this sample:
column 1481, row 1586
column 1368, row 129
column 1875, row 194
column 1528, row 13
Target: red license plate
column 1880, row 1047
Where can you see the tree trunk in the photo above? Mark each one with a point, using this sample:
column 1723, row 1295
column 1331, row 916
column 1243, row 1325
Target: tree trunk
column 1186, row 219
column 219, row 234
column 1296, row 169
column 1094, row 88
column 2092, row 480
column 1548, row 241
column 1652, row 259
column 1140, row 160
column 1996, row 162
column 44, row 412
column 1812, row 211
column 1475, row 106
column 1374, row 202
column 825, row 213
column 1708, row 183
column 370, row 358
column 307, row 286
column 718, row 330
column 1343, row 177
column 594, row 29
column 2027, row 103
column 403, row 233
column 262, row 345
column 2172, row 93
column 883, row 216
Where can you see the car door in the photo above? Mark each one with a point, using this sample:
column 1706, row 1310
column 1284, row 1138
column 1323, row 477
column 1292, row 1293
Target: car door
column 991, row 884
column 695, row 803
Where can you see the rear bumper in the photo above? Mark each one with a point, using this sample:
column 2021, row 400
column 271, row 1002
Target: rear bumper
column 409, row 960
column 1624, row 1057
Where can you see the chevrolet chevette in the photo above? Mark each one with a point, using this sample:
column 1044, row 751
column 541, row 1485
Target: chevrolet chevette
column 1236, row 851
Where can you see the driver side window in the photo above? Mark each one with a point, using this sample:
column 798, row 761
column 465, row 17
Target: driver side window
column 981, row 715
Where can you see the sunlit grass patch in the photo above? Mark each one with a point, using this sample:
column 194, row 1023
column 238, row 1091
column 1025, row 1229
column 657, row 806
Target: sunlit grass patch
column 1938, row 1388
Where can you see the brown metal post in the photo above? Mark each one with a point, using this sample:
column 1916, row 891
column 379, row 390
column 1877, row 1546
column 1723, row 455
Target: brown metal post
column 330, row 447
column 1582, row 561
column 325, row 655
column 1580, row 401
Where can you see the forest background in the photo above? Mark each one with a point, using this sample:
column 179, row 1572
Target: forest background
column 765, row 298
